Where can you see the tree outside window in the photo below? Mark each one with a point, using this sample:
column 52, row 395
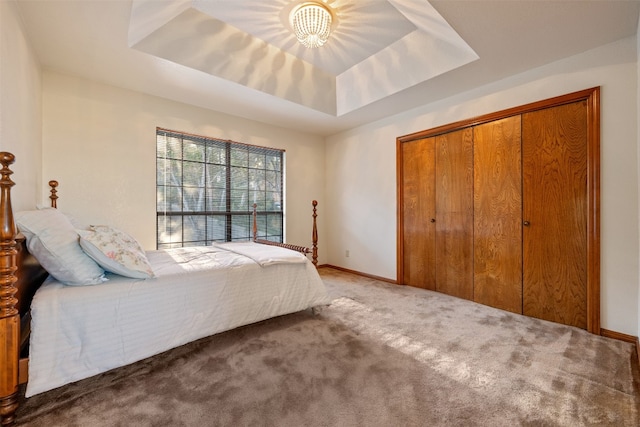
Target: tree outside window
column 206, row 188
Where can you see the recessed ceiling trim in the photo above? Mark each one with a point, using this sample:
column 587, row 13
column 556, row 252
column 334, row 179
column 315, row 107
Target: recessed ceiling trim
column 187, row 33
column 433, row 49
column 148, row 16
column 196, row 40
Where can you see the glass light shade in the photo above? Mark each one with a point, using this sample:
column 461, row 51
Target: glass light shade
column 311, row 23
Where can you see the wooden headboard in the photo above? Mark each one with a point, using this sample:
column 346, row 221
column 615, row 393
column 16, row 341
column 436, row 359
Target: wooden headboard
column 9, row 316
column 20, row 277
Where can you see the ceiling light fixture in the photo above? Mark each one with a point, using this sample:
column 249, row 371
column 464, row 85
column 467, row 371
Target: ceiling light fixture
column 311, row 23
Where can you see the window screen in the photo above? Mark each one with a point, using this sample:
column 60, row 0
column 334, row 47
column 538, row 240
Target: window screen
column 206, row 188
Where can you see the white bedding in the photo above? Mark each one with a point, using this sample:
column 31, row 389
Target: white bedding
column 264, row 255
column 81, row 331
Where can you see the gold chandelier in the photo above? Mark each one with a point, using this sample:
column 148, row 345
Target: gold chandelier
column 311, row 23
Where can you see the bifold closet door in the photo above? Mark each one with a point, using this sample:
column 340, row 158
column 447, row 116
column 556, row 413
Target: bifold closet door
column 454, row 213
column 498, row 214
column 554, row 164
column 418, row 239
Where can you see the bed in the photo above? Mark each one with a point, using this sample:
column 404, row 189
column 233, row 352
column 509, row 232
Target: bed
column 53, row 333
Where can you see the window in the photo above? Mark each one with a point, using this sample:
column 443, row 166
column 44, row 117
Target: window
column 206, row 188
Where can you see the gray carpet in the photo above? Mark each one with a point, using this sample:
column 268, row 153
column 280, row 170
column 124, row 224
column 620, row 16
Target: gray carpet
column 379, row 355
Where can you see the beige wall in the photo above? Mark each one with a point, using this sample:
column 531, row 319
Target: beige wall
column 99, row 143
column 20, row 106
column 361, row 184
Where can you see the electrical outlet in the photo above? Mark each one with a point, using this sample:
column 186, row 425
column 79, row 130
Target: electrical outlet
column 346, row 253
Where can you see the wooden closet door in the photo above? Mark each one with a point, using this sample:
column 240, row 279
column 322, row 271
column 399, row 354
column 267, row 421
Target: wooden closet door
column 454, row 213
column 498, row 214
column 554, row 145
column 418, row 239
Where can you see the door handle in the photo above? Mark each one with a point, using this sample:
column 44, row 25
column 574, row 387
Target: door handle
column 526, row 223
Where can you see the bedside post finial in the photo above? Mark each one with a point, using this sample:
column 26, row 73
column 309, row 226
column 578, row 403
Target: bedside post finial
column 53, row 184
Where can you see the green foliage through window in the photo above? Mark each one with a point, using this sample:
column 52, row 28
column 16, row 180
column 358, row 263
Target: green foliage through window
column 206, row 188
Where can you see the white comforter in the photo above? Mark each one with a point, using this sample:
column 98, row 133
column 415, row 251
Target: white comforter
column 78, row 332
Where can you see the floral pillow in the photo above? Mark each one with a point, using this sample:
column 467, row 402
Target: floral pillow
column 116, row 251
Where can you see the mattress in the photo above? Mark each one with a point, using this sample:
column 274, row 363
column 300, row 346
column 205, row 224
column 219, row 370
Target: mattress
column 81, row 331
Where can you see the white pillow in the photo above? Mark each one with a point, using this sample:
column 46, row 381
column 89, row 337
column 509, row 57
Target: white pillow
column 54, row 242
column 74, row 221
column 116, row 251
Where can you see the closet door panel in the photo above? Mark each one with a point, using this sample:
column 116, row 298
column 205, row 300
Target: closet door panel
column 498, row 214
column 454, row 213
column 554, row 144
column 419, row 241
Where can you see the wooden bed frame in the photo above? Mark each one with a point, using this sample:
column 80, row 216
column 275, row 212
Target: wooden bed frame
column 21, row 275
column 302, row 249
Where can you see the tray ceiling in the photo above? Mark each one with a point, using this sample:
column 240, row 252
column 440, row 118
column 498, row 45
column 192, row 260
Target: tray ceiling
column 386, row 57
column 407, row 41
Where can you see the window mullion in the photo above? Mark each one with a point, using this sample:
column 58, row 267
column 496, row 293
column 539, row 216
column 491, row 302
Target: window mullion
column 228, row 191
column 182, row 189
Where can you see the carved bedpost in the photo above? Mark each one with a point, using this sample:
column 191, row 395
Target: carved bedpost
column 255, row 222
column 9, row 316
column 54, row 197
column 314, row 236
column 302, row 249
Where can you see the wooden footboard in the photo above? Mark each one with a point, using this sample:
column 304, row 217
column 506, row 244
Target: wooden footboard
column 302, row 249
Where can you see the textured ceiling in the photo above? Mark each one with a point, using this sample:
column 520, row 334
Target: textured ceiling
column 385, row 57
